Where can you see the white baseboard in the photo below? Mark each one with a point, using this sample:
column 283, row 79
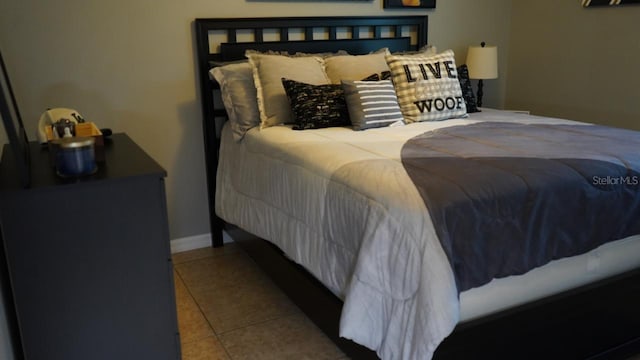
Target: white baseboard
column 196, row 242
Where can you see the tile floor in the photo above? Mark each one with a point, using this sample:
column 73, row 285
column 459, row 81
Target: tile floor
column 253, row 320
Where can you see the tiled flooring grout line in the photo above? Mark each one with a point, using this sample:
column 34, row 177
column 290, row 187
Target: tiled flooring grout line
column 195, row 302
column 215, row 334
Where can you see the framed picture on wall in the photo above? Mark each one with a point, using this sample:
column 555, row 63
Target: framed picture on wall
column 587, row 3
column 406, row 4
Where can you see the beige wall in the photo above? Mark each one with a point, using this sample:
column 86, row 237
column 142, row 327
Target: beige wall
column 458, row 24
column 574, row 62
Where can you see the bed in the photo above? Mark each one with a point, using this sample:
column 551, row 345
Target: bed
column 588, row 313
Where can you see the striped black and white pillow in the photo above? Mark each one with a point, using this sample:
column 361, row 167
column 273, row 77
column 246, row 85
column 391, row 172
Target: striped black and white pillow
column 371, row 104
column 427, row 86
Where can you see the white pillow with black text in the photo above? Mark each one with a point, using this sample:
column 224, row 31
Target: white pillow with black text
column 427, row 86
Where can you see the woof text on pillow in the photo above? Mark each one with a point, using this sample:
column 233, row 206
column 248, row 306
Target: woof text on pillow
column 439, row 104
column 436, row 104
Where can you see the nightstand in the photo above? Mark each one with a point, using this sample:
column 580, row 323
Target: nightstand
column 89, row 259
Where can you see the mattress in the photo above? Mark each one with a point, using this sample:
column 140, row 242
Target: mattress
column 333, row 201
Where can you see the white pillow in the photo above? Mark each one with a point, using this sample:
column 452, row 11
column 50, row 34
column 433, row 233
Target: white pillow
column 425, row 50
column 239, row 96
column 268, row 72
column 427, row 86
column 355, row 67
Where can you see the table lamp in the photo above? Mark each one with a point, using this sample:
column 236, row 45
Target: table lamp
column 482, row 62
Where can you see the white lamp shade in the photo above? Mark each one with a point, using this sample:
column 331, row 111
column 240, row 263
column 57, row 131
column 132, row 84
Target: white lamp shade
column 482, row 62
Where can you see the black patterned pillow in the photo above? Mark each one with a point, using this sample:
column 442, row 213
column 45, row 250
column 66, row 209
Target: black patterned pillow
column 316, row 106
column 467, row 89
column 427, row 86
column 385, row 75
column 372, row 77
column 371, row 104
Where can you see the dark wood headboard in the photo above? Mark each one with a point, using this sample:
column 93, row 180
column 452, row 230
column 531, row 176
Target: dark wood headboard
column 356, row 35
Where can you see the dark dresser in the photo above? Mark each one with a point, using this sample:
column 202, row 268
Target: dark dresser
column 88, row 259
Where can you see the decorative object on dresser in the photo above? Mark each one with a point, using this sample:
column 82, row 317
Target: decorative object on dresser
column 482, row 62
column 88, row 258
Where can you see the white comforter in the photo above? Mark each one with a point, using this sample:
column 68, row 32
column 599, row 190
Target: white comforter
column 332, row 201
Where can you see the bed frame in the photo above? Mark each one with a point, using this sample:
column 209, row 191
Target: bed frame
column 597, row 321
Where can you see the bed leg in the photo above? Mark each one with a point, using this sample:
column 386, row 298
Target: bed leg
column 217, row 226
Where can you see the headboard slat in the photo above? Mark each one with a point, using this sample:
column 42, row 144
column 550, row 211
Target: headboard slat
column 355, row 32
column 231, row 36
column 333, row 33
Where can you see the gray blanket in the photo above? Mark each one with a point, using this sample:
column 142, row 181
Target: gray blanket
column 506, row 198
